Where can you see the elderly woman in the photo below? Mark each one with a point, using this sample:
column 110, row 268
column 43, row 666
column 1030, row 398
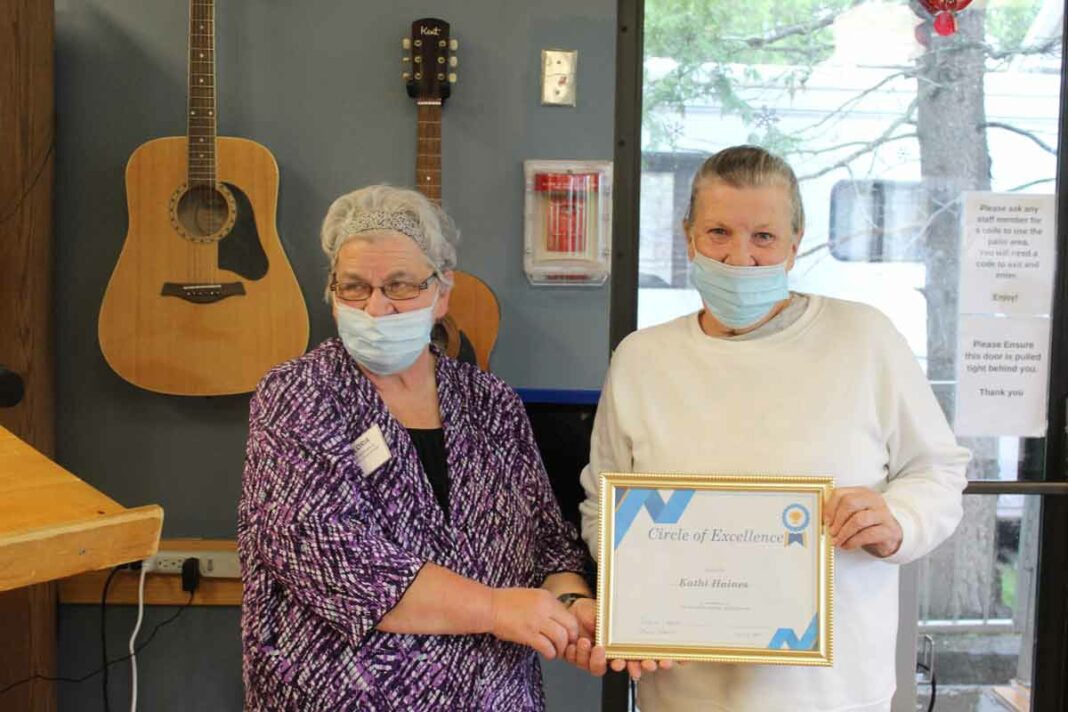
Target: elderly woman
column 401, row 546
column 762, row 380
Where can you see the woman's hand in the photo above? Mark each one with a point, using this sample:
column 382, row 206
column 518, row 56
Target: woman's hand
column 858, row 517
column 584, row 655
column 635, row 668
column 532, row 617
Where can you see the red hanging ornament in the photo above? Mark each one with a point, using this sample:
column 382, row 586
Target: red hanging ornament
column 945, row 24
column 945, row 14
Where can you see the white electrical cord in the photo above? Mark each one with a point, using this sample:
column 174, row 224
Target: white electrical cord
column 133, row 636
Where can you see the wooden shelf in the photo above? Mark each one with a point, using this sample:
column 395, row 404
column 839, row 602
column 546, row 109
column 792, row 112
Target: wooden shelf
column 160, row 589
column 54, row 525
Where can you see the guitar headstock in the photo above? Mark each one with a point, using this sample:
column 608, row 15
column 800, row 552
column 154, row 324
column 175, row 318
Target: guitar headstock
column 430, row 61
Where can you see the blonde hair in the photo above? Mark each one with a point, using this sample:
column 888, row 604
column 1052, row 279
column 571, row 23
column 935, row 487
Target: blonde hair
column 749, row 167
column 439, row 231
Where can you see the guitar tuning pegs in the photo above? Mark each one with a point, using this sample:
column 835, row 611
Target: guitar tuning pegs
column 453, row 61
column 406, row 59
column 406, row 43
column 452, row 77
column 406, row 76
column 454, row 45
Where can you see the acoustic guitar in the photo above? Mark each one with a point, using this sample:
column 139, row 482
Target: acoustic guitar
column 203, row 300
column 430, row 60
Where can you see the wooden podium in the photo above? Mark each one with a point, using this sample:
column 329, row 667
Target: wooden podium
column 53, row 525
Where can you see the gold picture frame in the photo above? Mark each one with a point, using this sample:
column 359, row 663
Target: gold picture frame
column 665, row 522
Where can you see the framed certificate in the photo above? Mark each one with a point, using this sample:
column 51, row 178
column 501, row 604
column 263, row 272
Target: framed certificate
column 715, row 568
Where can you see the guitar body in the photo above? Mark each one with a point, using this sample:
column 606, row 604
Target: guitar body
column 201, row 311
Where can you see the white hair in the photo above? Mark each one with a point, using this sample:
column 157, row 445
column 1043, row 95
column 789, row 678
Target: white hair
column 441, row 235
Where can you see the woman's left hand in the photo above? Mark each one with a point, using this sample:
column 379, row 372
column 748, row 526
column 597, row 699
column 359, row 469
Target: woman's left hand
column 584, row 655
column 859, row 517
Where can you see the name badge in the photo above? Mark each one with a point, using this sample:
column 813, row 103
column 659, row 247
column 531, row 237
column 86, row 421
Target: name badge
column 371, row 450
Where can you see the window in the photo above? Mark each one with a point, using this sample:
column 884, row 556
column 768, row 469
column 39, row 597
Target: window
column 876, row 221
column 886, row 124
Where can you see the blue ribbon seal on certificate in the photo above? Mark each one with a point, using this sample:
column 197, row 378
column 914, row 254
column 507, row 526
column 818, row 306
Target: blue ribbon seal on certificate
column 795, row 518
column 629, row 503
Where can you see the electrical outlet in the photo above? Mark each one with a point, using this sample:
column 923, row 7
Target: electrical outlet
column 558, row 67
column 213, row 564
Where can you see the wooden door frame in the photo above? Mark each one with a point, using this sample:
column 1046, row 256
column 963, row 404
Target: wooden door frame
column 28, row 615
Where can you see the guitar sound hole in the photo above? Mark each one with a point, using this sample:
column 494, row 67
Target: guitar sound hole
column 205, row 213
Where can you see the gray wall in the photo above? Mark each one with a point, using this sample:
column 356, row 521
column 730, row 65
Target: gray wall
column 319, row 84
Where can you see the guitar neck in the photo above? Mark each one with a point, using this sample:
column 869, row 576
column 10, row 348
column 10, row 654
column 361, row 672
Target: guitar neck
column 201, row 115
column 428, row 150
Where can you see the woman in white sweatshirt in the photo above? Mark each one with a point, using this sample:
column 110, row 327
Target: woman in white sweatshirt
column 767, row 380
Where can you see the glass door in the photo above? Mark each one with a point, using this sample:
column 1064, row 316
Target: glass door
column 890, row 126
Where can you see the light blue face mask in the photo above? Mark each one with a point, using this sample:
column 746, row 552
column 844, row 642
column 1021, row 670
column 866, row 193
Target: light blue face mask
column 385, row 344
column 738, row 296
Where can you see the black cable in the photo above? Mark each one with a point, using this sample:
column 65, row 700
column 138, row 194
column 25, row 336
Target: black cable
column 96, row 672
column 152, row 635
column 37, row 173
column 934, row 685
column 104, row 636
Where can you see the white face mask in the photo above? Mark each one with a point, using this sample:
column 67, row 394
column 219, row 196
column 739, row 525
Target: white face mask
column 385, row 344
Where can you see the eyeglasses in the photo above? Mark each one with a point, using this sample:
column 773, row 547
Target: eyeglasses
column 397, row 290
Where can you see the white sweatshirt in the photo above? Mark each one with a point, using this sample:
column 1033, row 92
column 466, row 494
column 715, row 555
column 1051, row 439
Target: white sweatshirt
column 837, row 392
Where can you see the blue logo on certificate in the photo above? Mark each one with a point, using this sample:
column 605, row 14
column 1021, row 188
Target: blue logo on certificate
column 795, row 518
column 787, row 638
column 630, row 501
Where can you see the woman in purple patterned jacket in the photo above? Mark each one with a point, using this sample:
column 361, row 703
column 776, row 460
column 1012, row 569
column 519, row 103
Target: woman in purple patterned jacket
column 400, row 543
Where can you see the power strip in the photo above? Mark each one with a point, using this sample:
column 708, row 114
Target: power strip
column 213, row 564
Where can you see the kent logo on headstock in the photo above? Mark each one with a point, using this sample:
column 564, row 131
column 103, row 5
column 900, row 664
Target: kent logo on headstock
column 431, row 59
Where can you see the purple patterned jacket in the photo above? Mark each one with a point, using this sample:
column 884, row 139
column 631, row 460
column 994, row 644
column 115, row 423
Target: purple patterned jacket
column 327, row 550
